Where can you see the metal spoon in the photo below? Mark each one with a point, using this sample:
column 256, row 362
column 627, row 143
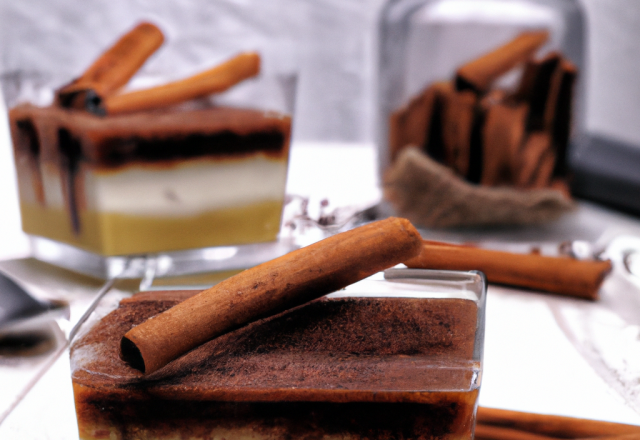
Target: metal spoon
column 25, row 308
column 18, row 309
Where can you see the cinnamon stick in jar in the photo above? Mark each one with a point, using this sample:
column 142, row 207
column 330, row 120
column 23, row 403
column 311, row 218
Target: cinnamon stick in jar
column 564, row 276
column 217, row 79
column 291, row 280
column 480, row 73
column 458, row 116
column 502, row 138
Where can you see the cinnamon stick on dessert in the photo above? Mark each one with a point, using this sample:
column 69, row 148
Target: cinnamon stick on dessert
column 554, row 426
column 564, row 276
column 269, row 288
column 113, row 68
column 480, row 73
column 215, row 80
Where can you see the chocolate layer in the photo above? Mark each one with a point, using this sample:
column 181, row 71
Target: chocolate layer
column 150, row 136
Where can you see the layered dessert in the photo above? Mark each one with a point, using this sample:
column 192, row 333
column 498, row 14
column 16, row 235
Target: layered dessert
column 340, row 367
column 151, row 181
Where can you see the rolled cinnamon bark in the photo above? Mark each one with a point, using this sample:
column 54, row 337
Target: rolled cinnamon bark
column 458, row 115
column 502, row 137
column 215, row 80
column 489, row 432
column 634, row 436
column 536, row 88
column 563, row 276
column 537, row 145
column 480, row 73
column 410, row 125
column 544, row 172
column 554, row 426
column 561, row 124
column 269, row 288
column 113, row 68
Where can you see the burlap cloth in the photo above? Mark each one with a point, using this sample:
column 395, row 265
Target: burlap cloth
column 431, row 195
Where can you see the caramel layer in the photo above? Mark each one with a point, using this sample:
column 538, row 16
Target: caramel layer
column 118, row 234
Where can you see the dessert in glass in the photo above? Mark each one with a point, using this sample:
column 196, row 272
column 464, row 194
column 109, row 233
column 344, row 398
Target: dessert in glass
column 192, row 164
column 397, row 356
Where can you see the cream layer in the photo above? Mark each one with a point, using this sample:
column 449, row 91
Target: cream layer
column 186, row 188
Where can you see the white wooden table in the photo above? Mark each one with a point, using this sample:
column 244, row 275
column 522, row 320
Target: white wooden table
column 529, row 364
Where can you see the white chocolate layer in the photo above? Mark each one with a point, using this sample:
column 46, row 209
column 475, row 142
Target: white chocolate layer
column 186, row 188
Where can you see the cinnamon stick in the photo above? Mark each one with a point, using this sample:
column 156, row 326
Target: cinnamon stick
column 215, row 80
column 551, row 425
column 418, row 123
column 536, row 88
column 544, row 172
column 409, row 124
column 480, row 73
column 457, row 124
column 113, row 68
column 563, row 276
column 634, row 436
column 269, row 288
column 561, row 125
column 530, row 158
column 502, row 138
column 489, row 432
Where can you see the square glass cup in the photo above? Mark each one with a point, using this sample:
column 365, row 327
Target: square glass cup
column 398, row 355
column 100, row 183
column 199, row 187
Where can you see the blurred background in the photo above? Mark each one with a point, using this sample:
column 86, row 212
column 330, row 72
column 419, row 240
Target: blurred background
column 333, row 47
column 331, row 43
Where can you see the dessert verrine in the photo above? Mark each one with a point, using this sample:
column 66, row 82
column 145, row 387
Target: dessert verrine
column 151, row 181
column 357, row 364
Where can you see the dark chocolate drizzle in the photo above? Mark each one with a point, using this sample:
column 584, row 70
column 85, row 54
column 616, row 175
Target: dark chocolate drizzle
column 118, row 151
column 28, row 130
column 70, row 155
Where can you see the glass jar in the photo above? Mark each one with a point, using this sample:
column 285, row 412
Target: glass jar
column 426, row 41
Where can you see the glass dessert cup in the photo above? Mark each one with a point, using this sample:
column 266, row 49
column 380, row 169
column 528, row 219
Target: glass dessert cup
column 398, row 356
column 203, row 181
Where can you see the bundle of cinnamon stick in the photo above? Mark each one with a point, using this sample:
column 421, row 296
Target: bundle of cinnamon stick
column 498, row 424
column 98, row 89
column 490, row 136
